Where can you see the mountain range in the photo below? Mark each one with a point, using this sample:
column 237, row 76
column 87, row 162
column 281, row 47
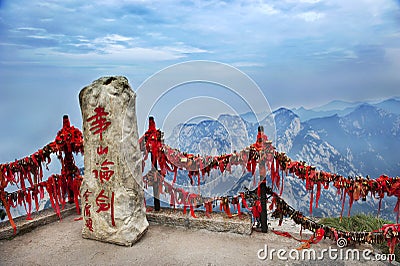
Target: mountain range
column 361, row 138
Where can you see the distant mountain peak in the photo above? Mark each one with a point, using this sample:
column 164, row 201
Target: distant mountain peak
column 285, row 111
column 252, row 117
column 335, row 105
column 365, row 106
column 343, row 108
column 392, row 100
column 391, row 105
column 367, row 109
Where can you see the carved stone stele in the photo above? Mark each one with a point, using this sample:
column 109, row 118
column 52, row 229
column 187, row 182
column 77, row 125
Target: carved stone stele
column 112, row 195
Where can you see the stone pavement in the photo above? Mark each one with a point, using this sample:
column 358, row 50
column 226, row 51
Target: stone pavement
column 61, row 243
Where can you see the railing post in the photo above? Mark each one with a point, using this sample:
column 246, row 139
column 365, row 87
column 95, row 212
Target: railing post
column 263, row 199
column 261, row 145
column 156, row 193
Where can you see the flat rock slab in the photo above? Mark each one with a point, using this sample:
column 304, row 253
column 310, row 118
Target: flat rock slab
column 38, row 219
column 218, row 222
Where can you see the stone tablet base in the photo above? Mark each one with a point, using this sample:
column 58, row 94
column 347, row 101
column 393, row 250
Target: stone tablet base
column 219, row 222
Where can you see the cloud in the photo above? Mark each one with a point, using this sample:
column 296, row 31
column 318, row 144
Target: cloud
column 331, row 49
column 393, row 56
column 268, row 9
column 310, row 1
column 336, row 52
column 118, row 48
column 30, row 29
column 303, row 1
column 311, row 16
column 113, row 38
column 110, row 49
column 109, row 43
column 247, row 64
column 267, row 36
column 182, row 48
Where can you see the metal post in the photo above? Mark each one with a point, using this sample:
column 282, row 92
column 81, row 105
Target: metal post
column 261, row 145
column 156, row 193
column 263, row 199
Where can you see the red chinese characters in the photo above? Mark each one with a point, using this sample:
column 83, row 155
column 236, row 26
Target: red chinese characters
column 104, row 201
column 100, row 150
column 89, row 224
column 86, row 212
column 99, row 122
column 105, row 173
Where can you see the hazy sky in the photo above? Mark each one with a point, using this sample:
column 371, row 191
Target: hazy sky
column 300, row 52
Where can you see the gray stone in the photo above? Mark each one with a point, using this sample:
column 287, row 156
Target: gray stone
column 217, row 222
column 112, row 195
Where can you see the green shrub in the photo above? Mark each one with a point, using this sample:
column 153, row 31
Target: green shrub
column 359, row 223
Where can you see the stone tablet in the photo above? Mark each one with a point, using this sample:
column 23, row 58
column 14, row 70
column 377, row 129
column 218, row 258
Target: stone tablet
column 112, row 195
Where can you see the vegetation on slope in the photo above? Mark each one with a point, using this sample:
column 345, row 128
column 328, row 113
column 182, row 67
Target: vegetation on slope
column 359, row 223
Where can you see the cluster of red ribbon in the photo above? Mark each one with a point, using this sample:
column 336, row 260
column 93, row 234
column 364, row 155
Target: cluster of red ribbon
column 172, row 160
column 180, row 197
column 56, row 187
column 250, row 201
column 354, row 188
column 389, row 233
column 29, row 169
column 263, row 154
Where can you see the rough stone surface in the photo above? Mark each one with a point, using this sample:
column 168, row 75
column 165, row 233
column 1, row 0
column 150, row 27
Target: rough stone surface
column 112, row 197
column 60, row 243
column 218, row 222
column 40, row 218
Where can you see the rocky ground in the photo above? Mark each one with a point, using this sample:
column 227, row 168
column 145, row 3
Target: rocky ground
column 61, row 243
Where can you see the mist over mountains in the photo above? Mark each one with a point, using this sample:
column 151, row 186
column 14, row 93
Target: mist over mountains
column 345, row 138
column 340, row 137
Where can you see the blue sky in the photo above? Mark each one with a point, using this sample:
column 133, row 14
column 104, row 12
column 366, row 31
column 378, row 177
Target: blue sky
column 300, row 52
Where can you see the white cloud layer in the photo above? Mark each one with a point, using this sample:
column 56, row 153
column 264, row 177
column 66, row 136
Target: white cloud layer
column 300, row 52
column 272, row 39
